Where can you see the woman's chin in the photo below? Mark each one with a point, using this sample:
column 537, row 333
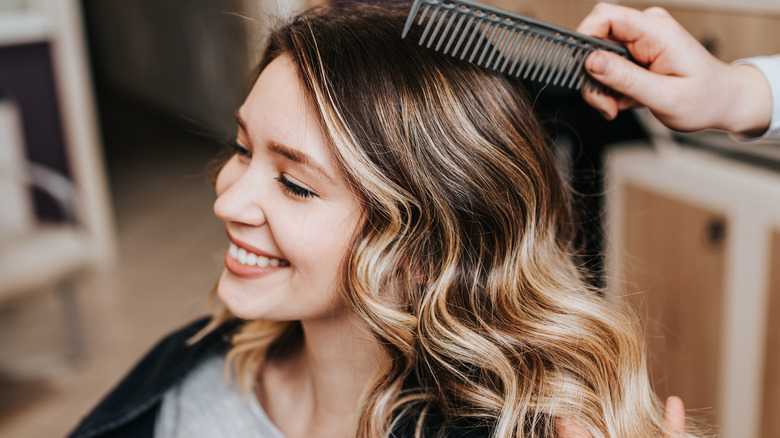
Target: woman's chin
column 248, row 301
column 241, row 302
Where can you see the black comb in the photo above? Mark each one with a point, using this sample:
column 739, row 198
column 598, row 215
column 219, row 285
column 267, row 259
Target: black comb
column 509, row 43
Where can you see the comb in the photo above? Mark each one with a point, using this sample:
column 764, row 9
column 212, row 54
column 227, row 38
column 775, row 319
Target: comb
column 508, row 43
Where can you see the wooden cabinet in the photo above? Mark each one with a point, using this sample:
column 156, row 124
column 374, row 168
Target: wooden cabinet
column 694, row 240
column 770, row 409
column 674, row 259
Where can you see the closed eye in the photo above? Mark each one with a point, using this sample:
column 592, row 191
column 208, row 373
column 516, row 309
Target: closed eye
column 238, row 149
column 295, row 187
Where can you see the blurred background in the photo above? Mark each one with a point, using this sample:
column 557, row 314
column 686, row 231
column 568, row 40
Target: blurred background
column 111, row 114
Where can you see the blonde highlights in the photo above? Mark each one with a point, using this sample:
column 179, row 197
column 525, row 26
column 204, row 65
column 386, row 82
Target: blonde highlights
column 464, row 271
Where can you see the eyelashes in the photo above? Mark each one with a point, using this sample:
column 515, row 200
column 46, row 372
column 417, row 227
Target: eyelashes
column 290, row 185
column 295, row 189
column 234, row 145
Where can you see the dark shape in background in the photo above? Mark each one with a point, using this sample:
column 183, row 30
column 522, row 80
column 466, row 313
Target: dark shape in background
column 26, row 78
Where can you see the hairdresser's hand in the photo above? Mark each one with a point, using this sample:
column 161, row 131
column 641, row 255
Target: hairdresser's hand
column 684, row 86
column 674, row 417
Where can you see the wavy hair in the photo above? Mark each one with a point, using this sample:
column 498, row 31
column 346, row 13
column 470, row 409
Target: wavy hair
column 464, row 270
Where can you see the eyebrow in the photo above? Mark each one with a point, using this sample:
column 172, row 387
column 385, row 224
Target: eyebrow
column 291, row 154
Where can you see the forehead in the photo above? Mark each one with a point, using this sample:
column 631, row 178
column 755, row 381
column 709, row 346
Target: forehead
column 278, row 111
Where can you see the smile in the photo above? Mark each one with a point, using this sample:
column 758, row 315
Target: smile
column 247, row 258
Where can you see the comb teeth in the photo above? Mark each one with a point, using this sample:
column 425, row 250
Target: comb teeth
column 508, row 43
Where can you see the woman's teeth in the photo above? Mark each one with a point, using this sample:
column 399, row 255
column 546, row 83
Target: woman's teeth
column 251, row 259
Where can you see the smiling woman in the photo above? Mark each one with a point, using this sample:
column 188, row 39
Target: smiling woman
column 399, row 264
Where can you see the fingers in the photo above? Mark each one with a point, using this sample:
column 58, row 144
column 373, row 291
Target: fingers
column 598, row 23
column 624, row 76
column 605, row 104
column 674, row 416
column 569, row 429
column 609, row 105
column 657, row 11
column 621, row 23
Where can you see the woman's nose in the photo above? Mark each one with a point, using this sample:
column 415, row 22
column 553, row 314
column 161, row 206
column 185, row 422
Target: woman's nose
column 239, row 198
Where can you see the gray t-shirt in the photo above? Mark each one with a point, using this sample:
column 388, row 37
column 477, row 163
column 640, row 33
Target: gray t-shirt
column 205, row 406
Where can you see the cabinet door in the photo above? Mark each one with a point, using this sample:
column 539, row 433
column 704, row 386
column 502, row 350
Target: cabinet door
column 770, row 420
column 672, row 267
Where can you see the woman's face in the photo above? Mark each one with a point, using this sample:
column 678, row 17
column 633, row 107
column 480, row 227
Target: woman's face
column 290, row 215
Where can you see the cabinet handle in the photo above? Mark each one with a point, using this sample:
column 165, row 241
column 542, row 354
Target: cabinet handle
column 716, row 231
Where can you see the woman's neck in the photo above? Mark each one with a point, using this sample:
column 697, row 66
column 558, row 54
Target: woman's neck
column 316, row 391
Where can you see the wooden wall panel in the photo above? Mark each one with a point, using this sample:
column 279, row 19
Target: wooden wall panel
column 734, row 35
column 566, row 13
column 770, row 414
column 673, row 268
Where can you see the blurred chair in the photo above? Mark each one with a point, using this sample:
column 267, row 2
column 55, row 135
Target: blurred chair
column 33, row 255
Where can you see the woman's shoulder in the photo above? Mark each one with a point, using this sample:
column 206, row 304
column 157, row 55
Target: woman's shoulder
column 166, row 364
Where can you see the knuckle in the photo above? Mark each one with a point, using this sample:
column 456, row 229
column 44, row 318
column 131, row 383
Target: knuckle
column 628, row 78
column 607, row 7
column 657, row 11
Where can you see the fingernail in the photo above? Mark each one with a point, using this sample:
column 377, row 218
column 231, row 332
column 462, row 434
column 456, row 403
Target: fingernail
column 605, row 115
column 597, row 64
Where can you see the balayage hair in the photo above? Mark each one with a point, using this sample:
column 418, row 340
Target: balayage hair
column 464, row 270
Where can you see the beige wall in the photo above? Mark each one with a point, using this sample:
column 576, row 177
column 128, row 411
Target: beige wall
column 735, row 35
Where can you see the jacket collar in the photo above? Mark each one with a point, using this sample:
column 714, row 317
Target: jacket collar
column 162, row 368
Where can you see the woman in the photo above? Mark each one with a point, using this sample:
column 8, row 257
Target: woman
column 399, row 264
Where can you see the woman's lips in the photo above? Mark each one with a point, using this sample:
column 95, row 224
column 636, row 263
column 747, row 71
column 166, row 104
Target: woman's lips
column 247, row 262
column 246, row 271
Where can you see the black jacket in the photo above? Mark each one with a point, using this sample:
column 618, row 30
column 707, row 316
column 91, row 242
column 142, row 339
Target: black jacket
column 130, row 409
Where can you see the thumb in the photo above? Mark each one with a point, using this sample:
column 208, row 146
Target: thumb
column 623, row 76
column 674, row 415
